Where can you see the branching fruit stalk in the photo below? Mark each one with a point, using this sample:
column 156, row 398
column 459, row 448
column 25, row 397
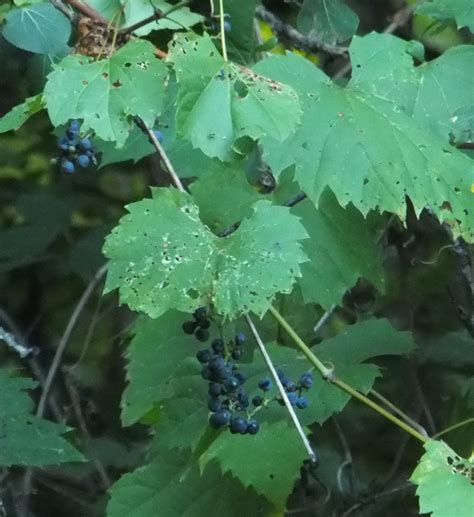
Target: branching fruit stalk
column 329, row 375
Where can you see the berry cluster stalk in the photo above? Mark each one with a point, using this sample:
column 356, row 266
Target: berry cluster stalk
column 329, row 375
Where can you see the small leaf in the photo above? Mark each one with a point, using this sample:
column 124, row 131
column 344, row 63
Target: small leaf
column 24, row 438
column 445, row 482
column 163, row 257
column 41, row 29
column 106, row 94
column 17, row 116
column 171, row 485
column 330, row 21
column 459, row 10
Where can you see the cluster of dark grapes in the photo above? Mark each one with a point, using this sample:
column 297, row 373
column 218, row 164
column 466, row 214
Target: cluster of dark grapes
column 228, row 401
column 199, row 326
column 75, row 150
column 214, row 26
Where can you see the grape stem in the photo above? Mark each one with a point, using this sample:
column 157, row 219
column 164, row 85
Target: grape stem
column 156, row 143
column 281, row 389
column 329, row 375
column 221, row 18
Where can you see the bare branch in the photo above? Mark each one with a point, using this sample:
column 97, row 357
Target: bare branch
column 288, row 33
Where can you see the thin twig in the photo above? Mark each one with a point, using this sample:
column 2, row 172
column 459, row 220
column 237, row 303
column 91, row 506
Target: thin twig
column 281, row 389
column 421, row 398
column 329, row 375
column 373, row 498
column 67, row 334
column 324, row 319
column 286, row 32
column 169, row 166
column 88, row 11
column 399, row 412
column 76, row 406
column 156, row 16
column 63, row 9
column 347, row 463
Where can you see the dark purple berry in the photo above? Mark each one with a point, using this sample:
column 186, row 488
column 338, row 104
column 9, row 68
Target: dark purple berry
column 83, row 161
column 205, row 324
column 227, row 26
column 189, row 327
column 252, row 427
column 85, row 145
column 240, row 376
column 204, row 356
column 236, row 354
column 67, row 166
column 302, row 403
column 63, row 143
column 218, row 346
column 215, row 389
column 231, row 384
column 220, row 419
column 293, row 398
column 206, row 373
column 240, row 338
column 290, row 386
column 214, row 405
column 200, row 314
column 202, row 334
column 265, row 384
column 306, row 380
column 257, row 401
column 74, row 126
column 238, row 425
column 158, row 135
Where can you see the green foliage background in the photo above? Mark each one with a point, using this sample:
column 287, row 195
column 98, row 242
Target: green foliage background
column 379, row 156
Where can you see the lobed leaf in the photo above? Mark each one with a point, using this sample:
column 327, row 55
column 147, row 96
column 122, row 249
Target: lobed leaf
column 219, row 102
column 18, row 115
column 445, row 481
column 368, row 151
column 163, row 257
column 24, row 438
column 459, row 10
column 106, row 94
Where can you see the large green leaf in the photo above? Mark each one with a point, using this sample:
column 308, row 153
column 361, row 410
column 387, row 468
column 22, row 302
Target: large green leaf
column 37, row 28
column 330, row 21
column 438, row 93
column 171, row 486
column 445, row 482
column 460, row 10
column 272, row 461
column 106, row 94
column 163, row 257
column 155, row 354
column 16, row 117
column 341, row 249
column 138, row 10
column 220, row 102
column 24, row 438
column 368, row 151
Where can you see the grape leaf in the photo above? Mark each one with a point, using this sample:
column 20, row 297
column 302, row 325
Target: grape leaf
column 163, row 257
column 108, row 8
column 24, row 438
column 330, row 21
column 340, row 249
column 107, row 93
column 460, row 10
column 436, row 93
column 368, row 151
column 155, row 353
column 41, row 29
column 17, row 116
column 174, row 486
column 138, row 10
column 219, row 102
column 224, row 197
column 445, row 481
column 272, row 461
